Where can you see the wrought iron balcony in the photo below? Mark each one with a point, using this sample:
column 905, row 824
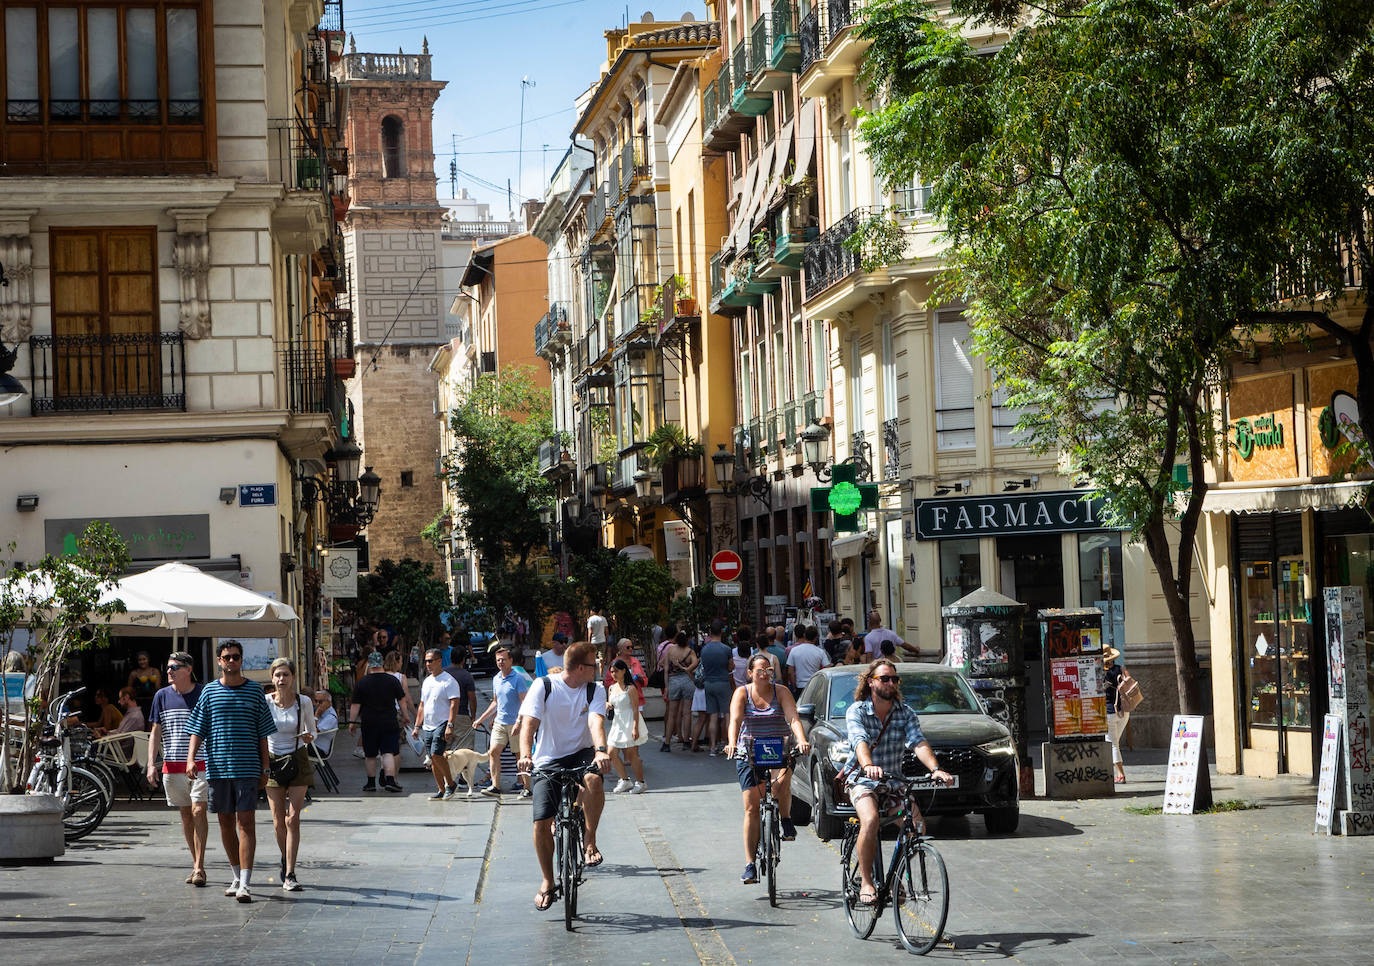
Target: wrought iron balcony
column 842, row 14
column 119, row 372
column 747, row 98
column 786, row 49
column 552, row 330
column 812, row 33
column 892, row 450
column 721, row 122
column 827, row 260
column 299, row 161
column 308, row 373
column 553, row 458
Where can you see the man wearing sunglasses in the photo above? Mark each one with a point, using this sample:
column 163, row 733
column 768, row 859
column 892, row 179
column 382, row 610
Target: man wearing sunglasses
column 185, row 790
column 232, row 721
column 881, row 728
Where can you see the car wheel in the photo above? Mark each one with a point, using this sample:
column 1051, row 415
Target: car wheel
column 828, row 826
column 1002, row 821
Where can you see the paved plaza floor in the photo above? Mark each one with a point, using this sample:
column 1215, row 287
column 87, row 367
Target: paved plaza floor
column 397, row 879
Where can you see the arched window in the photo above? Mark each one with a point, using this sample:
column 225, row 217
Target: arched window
column 393, row 147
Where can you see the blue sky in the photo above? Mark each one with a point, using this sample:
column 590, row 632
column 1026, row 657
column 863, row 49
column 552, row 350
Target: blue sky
column 483, row 48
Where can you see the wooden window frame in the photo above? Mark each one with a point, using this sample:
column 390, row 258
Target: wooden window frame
column 45, row 143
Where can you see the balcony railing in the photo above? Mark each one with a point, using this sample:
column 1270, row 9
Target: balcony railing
column 550, row 455
column 760, row 45
column 842, row 14
column 892, row 450
column 311, row 386
column 1299, row 282
column 740, row 63
column 119, row 372
column 827, row 260
column 785, row 52
column 549, row 326
column 812, row 39
column 634, row 161
column 295, row 160
column 332, row 18
column 340, row 333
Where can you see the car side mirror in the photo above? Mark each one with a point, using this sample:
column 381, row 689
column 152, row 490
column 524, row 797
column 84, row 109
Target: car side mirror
column 996, row 707
column 807, row 712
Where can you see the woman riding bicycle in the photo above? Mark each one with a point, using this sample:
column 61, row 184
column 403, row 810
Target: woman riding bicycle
column 881, row 728
column 760, row 709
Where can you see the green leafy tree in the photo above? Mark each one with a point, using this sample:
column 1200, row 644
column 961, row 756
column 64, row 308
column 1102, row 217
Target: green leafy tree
column 494, row 470
column 640, row 592
column 696, row 607
column 407, row 596
column 60, row 601
column 519, row 588
column 1121, row 186
column 592, row 572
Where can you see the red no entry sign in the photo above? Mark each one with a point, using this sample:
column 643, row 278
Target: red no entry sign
column 726, row 565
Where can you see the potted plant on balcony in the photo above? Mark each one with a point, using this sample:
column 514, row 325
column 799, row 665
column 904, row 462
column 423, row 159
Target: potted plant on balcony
column 685, row 304
column 672, row 449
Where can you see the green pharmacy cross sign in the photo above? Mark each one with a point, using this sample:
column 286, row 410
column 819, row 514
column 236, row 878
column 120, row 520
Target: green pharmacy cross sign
column 844, row 498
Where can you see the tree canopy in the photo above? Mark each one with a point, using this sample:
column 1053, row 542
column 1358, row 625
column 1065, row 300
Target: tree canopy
column 1127, row 187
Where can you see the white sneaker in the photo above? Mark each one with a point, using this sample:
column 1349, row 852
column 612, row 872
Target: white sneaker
column 624, row 785
column 243, row 894
column 232, row 889
column 638, row 789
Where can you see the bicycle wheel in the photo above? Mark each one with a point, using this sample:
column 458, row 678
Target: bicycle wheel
column 921, row 900
column 861, row 915
column 767, row 850
column 85, row 807
column 103, row 772
column 571, row 850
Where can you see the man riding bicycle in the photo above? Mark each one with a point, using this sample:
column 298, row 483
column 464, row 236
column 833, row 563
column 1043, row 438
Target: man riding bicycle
column 567, row 711
column 881, row 728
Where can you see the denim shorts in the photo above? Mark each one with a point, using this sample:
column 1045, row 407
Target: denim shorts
column 432, row 740
column 229, row 795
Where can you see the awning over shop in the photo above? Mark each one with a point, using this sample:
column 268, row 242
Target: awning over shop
column 1284, row 499
column 852, row 545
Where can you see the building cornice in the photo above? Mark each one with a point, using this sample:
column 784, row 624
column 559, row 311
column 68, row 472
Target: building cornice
column 115, row 428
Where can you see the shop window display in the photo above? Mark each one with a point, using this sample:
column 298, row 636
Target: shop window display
column 960, row 572
column 1278, row 636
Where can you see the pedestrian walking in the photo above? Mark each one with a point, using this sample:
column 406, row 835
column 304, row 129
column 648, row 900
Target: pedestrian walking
column 186, row 791
column 434, row 721
column 1117, row 715
column 508, row 690
column 566, row 712
column 679, row 661
column 739, row 660
column 232, row 721
column 877, row 633
column 374, row 706
column 552, row 659
column 717, row 661
column 292, row 773
column 596, row 628
column 628, row 729
column 805, row 659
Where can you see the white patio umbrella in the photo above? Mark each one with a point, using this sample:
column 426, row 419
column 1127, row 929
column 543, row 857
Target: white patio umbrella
column 214, row 607
column 141, row 612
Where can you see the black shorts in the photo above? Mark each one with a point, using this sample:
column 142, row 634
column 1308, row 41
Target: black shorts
column 385, row 741
column 547, row 791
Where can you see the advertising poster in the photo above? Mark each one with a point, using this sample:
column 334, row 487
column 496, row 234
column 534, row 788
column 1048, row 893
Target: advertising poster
column 1348, row 684
column 1326, row 777
column 1185, row 753
column 1068, row 709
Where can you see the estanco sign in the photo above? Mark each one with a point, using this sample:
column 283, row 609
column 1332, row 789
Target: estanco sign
column 992, row 516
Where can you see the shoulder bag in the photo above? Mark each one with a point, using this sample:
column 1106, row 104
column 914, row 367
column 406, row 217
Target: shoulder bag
column 282, row 769
column 1128, row 694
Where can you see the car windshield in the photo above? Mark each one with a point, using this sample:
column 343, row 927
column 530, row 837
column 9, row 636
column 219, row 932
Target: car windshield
column 924, row 693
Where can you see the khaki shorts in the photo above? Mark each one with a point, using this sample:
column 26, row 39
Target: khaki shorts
column 183, row 792
column 501, row 734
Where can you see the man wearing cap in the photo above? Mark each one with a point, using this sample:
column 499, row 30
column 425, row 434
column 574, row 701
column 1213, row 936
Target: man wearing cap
column 553, row 657
column 374, row 704
column 190, row 793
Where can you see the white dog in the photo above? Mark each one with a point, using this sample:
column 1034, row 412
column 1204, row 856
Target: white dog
column 464, row 761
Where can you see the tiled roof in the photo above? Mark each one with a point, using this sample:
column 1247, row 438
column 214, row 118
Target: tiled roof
column 679, row 35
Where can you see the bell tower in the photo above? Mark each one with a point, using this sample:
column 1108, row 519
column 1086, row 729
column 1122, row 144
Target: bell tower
column 392, row 245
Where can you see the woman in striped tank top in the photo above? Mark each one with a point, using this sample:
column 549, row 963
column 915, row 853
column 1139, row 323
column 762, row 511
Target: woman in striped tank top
column 761, row 709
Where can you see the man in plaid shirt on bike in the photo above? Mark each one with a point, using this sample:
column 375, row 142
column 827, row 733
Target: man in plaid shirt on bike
column 881, row 729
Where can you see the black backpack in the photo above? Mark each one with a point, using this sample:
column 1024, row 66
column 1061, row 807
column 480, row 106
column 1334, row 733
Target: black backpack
column 591, row 691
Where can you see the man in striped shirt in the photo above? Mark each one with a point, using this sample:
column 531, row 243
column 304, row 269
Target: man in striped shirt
column 232, row 721
column 187, row 791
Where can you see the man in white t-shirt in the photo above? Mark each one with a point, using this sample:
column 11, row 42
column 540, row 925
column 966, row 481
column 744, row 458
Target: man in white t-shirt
column 440, row 705
column 877, row 633
column 596, row 628
column 805, row 658
column 553, row 657
column 567, row 713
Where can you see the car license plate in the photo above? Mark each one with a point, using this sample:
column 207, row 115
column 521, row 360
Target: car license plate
column 928, row 782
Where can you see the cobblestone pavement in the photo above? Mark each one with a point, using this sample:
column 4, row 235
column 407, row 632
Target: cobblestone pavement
column 400, row 879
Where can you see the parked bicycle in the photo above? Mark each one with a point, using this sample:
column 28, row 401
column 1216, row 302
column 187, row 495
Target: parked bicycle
column 85, row 799
column 915, row 885
column 569, row 831
column 766, row 755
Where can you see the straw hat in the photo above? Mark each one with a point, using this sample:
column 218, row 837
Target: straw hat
column 1109, row 654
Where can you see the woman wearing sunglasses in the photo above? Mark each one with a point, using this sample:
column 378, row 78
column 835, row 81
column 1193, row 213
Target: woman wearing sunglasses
column 881, row 729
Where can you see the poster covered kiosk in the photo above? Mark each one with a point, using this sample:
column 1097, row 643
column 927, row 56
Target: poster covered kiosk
column 1077, row 758
column 982, row 634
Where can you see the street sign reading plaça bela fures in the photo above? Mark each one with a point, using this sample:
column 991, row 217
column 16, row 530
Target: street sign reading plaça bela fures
column 990, row 516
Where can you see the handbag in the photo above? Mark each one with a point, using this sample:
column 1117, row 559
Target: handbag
column 283, row 769
column 1128, row 695
column 699, row 676
column 839, row 786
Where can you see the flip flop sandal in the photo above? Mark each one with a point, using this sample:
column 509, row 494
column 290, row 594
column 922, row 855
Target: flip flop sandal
column 545, row 900
column 872, row 899
column 589, row 862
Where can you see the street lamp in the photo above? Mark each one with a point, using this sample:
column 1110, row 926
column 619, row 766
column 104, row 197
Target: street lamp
column 346, row 458
column 813, row 438
column 369, row 495
column 644, row 484
column 724, row 463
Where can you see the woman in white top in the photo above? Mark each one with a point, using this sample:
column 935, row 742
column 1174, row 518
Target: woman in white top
column 294, row 715
column 628, row 730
